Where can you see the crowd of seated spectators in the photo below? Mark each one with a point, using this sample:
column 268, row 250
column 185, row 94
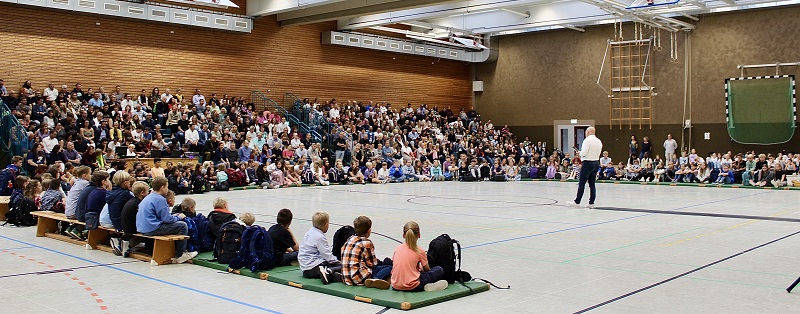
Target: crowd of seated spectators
column 371, row 143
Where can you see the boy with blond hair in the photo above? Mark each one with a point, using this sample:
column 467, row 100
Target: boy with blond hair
column 315, row 255
column 359, row 264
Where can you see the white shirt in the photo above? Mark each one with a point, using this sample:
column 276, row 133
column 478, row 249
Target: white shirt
column 51, row 94
column 591, row 148
column 333, row 113
column 314, row 250
column 670, row 146
column 191, row 136
column 196, row 99
column 49, row 143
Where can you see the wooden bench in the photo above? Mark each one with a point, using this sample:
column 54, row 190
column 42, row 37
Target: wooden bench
column 163, row 247
column 4, row 206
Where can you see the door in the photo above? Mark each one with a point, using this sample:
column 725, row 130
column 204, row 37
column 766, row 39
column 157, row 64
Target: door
column 570, row 138
column 580, row 134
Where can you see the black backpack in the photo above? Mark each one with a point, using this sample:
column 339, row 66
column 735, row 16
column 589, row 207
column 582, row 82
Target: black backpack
column 442, row 253
column 20, row 213
column 229, row 242
column 340, row 238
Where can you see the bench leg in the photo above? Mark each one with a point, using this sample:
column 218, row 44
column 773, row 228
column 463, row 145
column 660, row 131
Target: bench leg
column 96, row 237
column 163, row 252
column 46, row 225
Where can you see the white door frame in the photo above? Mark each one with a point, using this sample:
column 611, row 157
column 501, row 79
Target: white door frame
column 569, row 126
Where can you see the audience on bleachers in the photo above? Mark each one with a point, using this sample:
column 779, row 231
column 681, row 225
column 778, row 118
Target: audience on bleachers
column 243, row 146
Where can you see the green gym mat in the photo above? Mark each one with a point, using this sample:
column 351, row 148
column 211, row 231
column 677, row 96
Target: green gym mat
column 292, row 276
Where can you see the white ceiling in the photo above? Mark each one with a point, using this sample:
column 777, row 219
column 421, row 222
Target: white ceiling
column 498, row 17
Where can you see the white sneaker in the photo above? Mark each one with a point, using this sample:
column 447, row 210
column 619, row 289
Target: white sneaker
column 436, row 286
column 126, row 248
column 572, row 204
column 590, row 206
column 186, row 256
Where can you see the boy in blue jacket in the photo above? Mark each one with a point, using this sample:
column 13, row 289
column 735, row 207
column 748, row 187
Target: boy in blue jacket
column 395, row 172
column 154, row 218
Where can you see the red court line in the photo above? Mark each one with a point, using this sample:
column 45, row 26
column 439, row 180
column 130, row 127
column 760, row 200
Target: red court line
column 95, row 295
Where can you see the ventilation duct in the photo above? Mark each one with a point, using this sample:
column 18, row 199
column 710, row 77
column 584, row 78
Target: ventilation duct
column 399, row 45
column 149, row 12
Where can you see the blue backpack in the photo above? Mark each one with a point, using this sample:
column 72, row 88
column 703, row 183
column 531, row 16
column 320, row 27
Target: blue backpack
column 191, row 245
column 7, row 177
column 256, row 252
column 203, row 241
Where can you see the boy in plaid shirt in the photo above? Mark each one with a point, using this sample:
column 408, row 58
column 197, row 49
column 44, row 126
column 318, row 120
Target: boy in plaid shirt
column 359, row 264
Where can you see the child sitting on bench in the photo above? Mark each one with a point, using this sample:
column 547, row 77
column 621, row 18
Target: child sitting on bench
column 284, row 245
column 154, row 218
column 359, row 264
column 315, row 256
column 410, row 270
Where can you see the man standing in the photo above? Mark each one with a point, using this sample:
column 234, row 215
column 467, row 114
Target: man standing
column 670, row 145
column 590, row 164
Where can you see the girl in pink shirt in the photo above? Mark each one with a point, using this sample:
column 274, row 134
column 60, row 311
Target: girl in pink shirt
column 410, row 269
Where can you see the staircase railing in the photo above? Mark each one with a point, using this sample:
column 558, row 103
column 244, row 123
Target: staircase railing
column 317, row 121
column 262, row 102
column 14, row 136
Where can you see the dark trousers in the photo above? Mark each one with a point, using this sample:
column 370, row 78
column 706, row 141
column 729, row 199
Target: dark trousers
column 588, row 174
column 426, row 277
column 287, row 259
column 314, row 272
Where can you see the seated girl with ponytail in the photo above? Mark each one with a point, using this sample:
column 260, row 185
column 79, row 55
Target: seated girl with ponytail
column 410, row 269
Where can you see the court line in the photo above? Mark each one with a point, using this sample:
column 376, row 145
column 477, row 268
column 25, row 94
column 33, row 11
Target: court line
column 55, row 271
column 593, row 307
column 294, row 198
column 673, row 212
column 627, row 246
column 602, row 223
column 703, row 235
column 144, row 276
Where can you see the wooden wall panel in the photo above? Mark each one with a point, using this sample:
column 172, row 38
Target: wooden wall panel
column 65, row 47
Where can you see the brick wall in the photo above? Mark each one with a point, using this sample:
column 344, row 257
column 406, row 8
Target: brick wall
column 63, row 47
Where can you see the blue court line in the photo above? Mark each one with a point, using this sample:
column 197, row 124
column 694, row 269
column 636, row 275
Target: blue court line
column 145, row 276
column 604, row 222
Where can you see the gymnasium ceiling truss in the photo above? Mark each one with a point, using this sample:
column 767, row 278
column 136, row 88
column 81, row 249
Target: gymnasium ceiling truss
column 448, row 18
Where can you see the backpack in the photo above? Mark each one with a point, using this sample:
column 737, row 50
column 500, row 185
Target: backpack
column 7, row 177
column 307, row 176
column 441, row 253
column 340, row 238
column 235, row 177
column 256, row 251
column 192, row 233
column 333, row 176
column 227, row 245
column 201, row 240
column 20, row 213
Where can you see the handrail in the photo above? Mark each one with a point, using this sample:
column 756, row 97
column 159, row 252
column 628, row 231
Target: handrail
column 14, row 135
column 262, row 102
column 317, row 119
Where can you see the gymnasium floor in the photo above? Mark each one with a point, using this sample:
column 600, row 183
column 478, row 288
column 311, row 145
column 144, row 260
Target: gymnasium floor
column 557, row 259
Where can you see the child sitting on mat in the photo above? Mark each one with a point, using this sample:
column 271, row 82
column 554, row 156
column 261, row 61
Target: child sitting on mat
column 410, row 270
column 359, row 264
column 315, row 255
column 284, row 245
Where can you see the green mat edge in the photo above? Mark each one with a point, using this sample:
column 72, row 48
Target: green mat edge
column 274, row 275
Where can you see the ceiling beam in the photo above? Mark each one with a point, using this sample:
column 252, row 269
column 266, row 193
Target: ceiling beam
column 349, row 9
